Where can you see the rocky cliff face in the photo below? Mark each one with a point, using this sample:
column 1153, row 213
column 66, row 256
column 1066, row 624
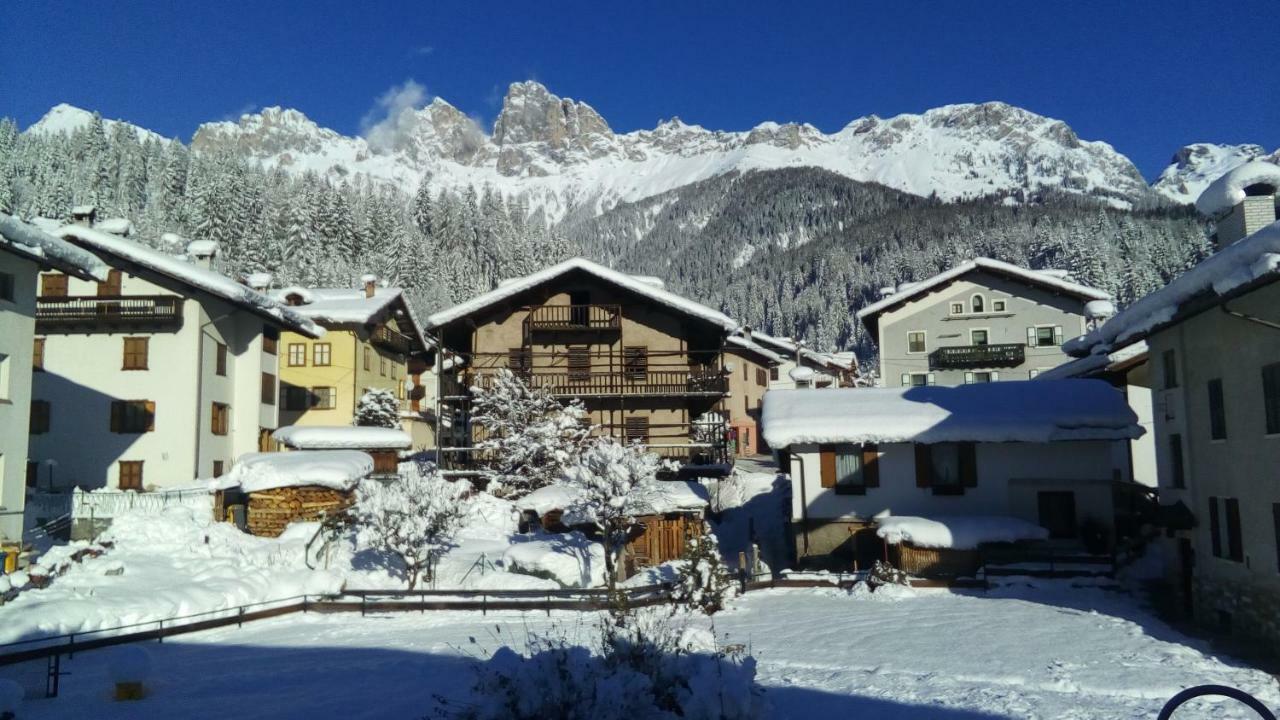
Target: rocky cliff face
column 1195, row 166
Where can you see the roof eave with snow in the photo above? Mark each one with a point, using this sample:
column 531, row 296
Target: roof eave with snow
column 32, row 243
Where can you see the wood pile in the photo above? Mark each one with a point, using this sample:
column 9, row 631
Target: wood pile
column 934, row 562
column 271, row 511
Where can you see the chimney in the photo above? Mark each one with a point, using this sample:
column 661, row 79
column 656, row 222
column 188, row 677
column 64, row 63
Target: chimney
column 1242, row 202
column 259, row 281
column 370, row 283
column 202, row 252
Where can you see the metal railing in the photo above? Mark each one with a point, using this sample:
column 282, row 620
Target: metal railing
column 977, row 356
column 621, row 382
column 574, row 317
column 157, row 311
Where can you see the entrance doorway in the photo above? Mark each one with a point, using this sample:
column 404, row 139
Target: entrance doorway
column 1058, row 512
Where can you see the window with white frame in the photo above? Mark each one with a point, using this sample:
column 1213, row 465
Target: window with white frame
column 917, row 379
column 978, row 337
column 980, row 377
column 998, row 306
column 1044, row 336
column 978, row 304
column 5, row 362
column 957, row 308
column 916, row 341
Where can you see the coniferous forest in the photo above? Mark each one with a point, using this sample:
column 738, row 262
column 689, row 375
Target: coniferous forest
column 792, row 252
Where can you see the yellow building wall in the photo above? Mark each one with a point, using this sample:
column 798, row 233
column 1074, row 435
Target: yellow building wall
column 345, row 373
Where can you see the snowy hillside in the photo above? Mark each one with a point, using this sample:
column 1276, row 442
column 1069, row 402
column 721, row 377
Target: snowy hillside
column 64, row 118
column 1196, row 165
column 561, row 154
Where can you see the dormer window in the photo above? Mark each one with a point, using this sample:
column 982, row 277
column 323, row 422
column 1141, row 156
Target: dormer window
column 978, row 304
column 997, row 305
column 293, row 299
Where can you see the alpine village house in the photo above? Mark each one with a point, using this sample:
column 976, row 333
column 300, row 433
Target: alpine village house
column 372, row 341
column 25, row 251
column 1216, row 413
column 648, row 365
column 982, row 321
column 162, row 372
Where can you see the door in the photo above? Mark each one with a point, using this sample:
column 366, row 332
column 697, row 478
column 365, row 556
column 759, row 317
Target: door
column 579, row 307
column 1058, row 512
column 1186, row 566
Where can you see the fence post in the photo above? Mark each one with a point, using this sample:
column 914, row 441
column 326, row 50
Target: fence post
column 71, row 646
column 240, row 616
column 363, row 600
column 548, row 604
column 160, row 635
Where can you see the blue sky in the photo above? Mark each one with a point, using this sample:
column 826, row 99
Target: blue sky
column 1147, row 77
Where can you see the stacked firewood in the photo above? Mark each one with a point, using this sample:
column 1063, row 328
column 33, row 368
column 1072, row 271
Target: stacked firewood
column 271, row 511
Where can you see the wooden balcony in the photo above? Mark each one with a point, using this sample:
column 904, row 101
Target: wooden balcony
column 107, row 313
column 390, row 340
column 977, row 356
column 574, row 318
column 668, row 383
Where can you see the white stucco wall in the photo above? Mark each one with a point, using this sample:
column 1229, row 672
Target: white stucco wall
column 1009, row 475
column 17, row 324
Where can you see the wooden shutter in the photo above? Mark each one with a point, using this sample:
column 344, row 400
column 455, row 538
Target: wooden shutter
column 827, row 462
column 636, row 429
column 635, row 362
column 1031, row 337
column 906, row 380
column 150, row 407
column 111, row 286
column 117, row 415
column 1215, row 535
column 1235, row 544
column 53, row 285
column 1057, row 335
column 968, row 465
column 924, row 466
column 870, row 466
column 579, row 364
column 37, row 354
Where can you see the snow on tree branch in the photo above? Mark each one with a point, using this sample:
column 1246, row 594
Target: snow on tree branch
column 412, row 519
column 378, row 408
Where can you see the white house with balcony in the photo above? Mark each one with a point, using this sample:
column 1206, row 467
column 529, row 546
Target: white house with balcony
column 161, row 372
column 25, row 251
column 982, row 321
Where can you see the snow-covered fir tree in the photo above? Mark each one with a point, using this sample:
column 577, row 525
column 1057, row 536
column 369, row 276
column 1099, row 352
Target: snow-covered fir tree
column 377, row 408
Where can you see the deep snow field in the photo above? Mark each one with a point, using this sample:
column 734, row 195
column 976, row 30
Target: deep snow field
column 1019, row 652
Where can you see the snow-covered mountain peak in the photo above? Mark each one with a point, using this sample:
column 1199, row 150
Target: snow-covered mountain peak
column 273, row 133
column 1197, row 165
column 66, row 118
column 536, row 131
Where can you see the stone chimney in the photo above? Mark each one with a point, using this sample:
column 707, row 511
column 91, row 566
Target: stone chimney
column 1241, row 202
column 1256, row 211
column 370, row 283
column 202, row 252
column 259, row 281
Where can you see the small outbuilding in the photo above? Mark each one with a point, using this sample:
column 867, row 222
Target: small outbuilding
column 384, row 445
column 1041, row 452
column 283, row 488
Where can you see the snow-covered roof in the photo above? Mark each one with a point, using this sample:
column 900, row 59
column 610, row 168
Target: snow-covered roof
column 1254, row 258
column 959, row 532
column 788, row 348
column 209, row 281
column 338, row 437
column 115, row 226
column 750, row 346
column 336, row 469
column 1048, row 279
column 653, row 498
column 35, row 244
column 203, row 248
column 1092, row 365
column 352, row 306
column 629, row 282
column 1017, row 411
column 1228, row 191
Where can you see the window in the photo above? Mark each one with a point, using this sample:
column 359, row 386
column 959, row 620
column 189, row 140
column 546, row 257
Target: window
column 133, row 416
column 997, row 305
column 268, row 389
column 111, row 286
column 947, row 468
column 220, row 360
column 368, row 359
column 1217, row 412
column 1224, row 517
column 40, row 419
column 774, row 373
column 519, row 361
column 1275, row 525
column 382, row 366
column 324, row 398
column 1177, row 470
column 1271, row 397
column 220, row 423
column 33, row 473
column 635, row 362
column 1169, row 366
column 1235, row 544
column 977, row 337
column 762, row 377
column 957, row 308
column 37, row 355
column 579, row 364
column 297, row 354
column 1044, row 336
column 135, row 353
column 915, row 342
column 978, row 304
column 53, row 285
column 217, row 468
column 130, row 475
column 917, row 379
column 6, row 286
column 270, row 340
column 322, row 354
column 980, row 377
column 5, row 362
column 636, row 430
column 850, row 469
column 296, row 398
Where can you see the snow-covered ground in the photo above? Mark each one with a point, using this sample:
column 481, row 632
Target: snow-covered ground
column 1052, row 651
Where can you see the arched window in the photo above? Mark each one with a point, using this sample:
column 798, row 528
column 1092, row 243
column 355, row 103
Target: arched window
column 978, row 304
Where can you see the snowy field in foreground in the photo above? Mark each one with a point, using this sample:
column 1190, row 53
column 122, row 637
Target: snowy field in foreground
column 1055, row 653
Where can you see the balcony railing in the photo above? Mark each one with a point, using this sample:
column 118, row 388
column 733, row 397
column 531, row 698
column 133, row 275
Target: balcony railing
column 575, row 317
column 157, row 312
column 664, row 382
column 690, row 454
column 977, row 356
column 388, row 339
